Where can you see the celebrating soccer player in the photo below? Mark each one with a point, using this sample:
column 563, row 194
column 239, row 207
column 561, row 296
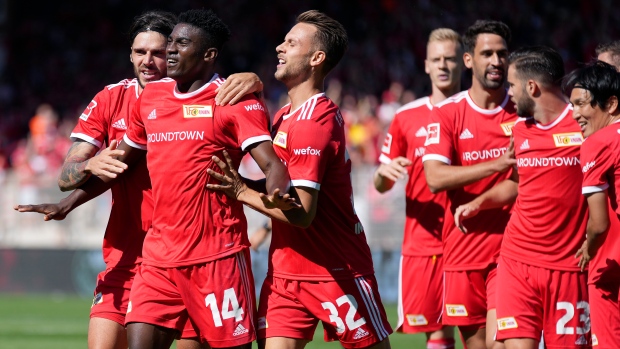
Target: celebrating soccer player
column 420, row 287
column 595, row 94
column 467, row 153
column 543, row 289
column 320, row 264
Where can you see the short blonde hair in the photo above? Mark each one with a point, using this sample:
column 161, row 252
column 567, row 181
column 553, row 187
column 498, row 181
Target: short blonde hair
column 444, row 34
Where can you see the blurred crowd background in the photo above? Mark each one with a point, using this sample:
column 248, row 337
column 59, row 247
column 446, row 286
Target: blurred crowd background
column 56, row 55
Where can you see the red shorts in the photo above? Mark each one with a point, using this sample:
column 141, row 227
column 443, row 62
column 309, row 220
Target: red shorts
column 535, row 300
column 605, row 316
column 468, row 296
column 217, row 297
column 351, row 310
column 111, row 295
column 420, row 294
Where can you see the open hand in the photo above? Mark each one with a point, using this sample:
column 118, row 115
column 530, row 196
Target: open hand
column 55, row 212
column 275, row 200
column 232, row 185
column 105, row 164
column 463, row 212
column 237, row 86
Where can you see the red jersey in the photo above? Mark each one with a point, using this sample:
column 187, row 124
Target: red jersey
column 548, row 222
column 310, row 141
column 462, row 134
column 105, row 119
column 424, row 210
column 181, row 132
column 600, row 161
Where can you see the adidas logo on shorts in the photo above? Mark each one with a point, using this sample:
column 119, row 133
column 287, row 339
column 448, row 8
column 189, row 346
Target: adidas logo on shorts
column 360, row 333
column 240, row 330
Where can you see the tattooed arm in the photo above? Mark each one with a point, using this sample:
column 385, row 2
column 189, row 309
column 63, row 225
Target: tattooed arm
column 81, row 162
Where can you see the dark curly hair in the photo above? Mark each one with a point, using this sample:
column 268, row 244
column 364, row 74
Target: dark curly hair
column 158, row 21
column 541, row 63
column 215, row 31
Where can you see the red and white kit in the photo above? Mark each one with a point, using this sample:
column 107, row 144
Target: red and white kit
column 106, row 119
column 420, row 296
column 540, row 283
column 460, row 133
column 191, row 225
column 333, row 250
column 600, row 160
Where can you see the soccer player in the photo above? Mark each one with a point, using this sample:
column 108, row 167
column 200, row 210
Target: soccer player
column 420, row 293
column 609, row 53
column 320, row 264
column 197, row 248
column 595, row 93
column 467, row 153
column 542, row 286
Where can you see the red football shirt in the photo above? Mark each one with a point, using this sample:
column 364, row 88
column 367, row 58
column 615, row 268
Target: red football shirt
column 181, row 132
column 600, row 161
column 424, row 210
column 106, row 119
column 548, row 223
column 310, row 141
column 463, row 134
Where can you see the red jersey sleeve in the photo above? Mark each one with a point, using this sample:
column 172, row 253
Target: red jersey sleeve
column 247, row 121
column 136, row 133
column 311, row 148
column 395, row 144
column 92, row 126
column 439, row 139
column 595, row 164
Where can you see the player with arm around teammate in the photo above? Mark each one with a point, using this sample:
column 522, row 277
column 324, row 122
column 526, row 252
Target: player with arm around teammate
column 594, row 92
column 420, row 297
column 542, row 287
column 320, row 264
column 467, row 152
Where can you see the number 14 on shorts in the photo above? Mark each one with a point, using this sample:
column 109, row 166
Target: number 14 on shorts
column 230, row 307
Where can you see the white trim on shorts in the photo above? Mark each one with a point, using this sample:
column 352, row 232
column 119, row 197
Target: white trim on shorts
column 373, row 309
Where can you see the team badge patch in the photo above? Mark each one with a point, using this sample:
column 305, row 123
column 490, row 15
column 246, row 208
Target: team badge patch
column 387, row 144
column 280, row 139
column 506, row 323
column 594, row 340
column 570, row 139
column 507, row 127
column 433, row 131
column 456, row 310
column 262, row 323
column 416, row 320
column 88, row 110
column 197, row 111
column 98, row 299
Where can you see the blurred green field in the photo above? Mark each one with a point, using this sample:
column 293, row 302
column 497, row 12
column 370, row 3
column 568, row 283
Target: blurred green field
column 61, row 322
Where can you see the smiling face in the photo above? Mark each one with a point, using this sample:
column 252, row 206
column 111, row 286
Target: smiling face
column 488, row 61
column 185, row 53
column 443, row 64
column 295, row 53
column 590, row 118
column 148, row 55
column 518, row 94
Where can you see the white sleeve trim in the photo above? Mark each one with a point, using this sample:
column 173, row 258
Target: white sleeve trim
column 248, row 142
column 594, row 189
column 384, row 159
column 306, row 183
column 132, row 143
column 85, row 138
column 437, row 157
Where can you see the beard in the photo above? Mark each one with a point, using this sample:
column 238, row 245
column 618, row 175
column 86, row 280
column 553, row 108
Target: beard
column 490, row 84
column 525, row 106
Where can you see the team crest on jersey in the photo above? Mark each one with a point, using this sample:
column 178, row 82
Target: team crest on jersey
column 416, row 320
column 88, row 110
column 98, row 299
column 570, row 139
column 280, row 139
column 197, row 111
column 387, row 144
column 456, row 310
column 262, row 323
column 507, row 127
column 433, row 131
column 506, row 323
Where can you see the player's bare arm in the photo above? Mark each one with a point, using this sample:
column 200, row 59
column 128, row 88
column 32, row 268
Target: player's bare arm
column 237, row 86
column 502, row 194
column 81, row 162
column 441, row 176
column 598, row 223
column 387, row 174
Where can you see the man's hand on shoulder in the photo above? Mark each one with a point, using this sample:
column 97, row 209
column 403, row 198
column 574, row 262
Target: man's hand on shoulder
column 237, row 86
